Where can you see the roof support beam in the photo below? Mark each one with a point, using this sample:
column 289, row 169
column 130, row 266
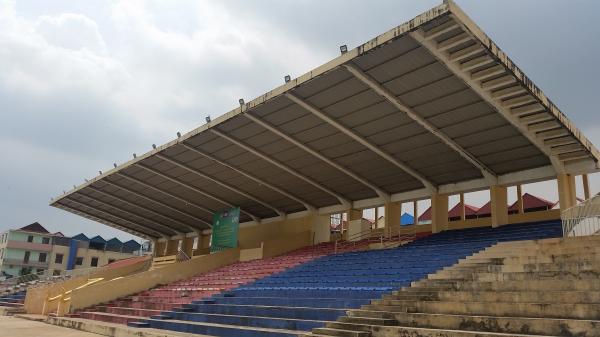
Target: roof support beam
column 195, row 189
column 380, row 192
column 106, row 222
column 304, row 203
column 149, row 210
column 156, row 201
column 340, row 198
column 160, row 190
column 220, row 183
column 315, row 111
column 135, row 224
column 398, row 104
column 121, row 209
column 484, row 90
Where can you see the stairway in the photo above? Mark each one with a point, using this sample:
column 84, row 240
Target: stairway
column 528, row 288
column 317, row 293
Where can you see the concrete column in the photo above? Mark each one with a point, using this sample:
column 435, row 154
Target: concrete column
column 520, row 199
column 586, row 186
column 499, row 207
column 377, row 217
column 392, row 218
column 159, row 248
column 321, row 228
column 416, row 212
column 188, row 246
column 354, row 214
column 439, row 212
column 172, row 246
column 463, row 216
column 566, row 191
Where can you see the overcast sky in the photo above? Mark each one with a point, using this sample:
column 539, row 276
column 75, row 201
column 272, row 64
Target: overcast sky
column 84, row 84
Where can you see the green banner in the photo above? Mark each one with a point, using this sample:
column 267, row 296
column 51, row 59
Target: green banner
column 226, row 225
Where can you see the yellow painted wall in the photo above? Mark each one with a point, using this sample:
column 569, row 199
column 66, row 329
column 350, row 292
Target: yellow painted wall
column 36, row 296
column 117, row 288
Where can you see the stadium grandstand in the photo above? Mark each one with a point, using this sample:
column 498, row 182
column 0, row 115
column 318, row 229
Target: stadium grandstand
column 428, row 110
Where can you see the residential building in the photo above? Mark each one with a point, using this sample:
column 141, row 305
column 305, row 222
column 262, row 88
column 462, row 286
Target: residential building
column 33, row 249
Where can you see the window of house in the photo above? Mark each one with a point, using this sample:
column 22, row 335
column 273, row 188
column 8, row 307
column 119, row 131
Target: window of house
column 94, row 262
column 56, row 272
column 58, row 259
column 30, row 238
column 79, row 261
column 42, row 257
column 26, row 257
column 45, row 241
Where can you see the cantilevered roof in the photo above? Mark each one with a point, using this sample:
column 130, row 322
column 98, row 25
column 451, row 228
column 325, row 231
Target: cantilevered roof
column 432, row 105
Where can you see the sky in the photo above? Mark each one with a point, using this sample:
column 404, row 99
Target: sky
column 84, row 84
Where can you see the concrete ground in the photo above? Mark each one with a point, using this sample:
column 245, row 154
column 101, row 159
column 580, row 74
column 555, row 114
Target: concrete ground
column 11, row 326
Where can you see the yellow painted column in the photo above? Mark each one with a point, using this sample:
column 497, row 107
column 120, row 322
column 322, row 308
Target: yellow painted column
column 463, row 216
column 586, row 186
column 321, row 228
column 159, row 248
column 416, row 212
column 566, row 191
column 188, row 246
column 392, row 218
column 499, row 207
column 520, row 199
column 439, row 212
column 172, row 247
column 354, row 214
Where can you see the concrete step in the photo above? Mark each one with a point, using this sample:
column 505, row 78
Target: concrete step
column 534, row 326
column 223, row 330
column 508, row 309
column 506, row 296
column 531, row 285
column 514, row 276
column 341, row 333
column 393, row 331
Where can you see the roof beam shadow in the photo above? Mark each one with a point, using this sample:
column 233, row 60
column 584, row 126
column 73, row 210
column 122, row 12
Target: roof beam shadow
column 361, row 140
column 340, row 198
column 379, row 89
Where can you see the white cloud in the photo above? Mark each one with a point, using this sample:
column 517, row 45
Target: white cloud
column 71, row 31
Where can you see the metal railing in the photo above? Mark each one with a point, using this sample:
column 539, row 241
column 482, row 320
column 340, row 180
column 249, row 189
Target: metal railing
column 387, row 238
column 582, row 219
column 182, row 256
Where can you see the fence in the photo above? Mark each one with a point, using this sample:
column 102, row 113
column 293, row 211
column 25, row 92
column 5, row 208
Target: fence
column 582, row 219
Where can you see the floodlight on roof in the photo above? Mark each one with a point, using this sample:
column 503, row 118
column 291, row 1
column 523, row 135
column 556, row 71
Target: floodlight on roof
column 115, row 165
column 134, row 155
column 154, row 146
column 241, row 100
column 207, row 118
column 178, row 134
column 287, row 78
column 344, row 49
column 100, row 172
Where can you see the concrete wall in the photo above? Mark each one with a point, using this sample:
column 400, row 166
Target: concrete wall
column 117, row 288
column 36, row 299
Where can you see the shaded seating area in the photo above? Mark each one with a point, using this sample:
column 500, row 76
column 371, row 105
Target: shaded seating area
column 175, row 296
column 288, row 301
